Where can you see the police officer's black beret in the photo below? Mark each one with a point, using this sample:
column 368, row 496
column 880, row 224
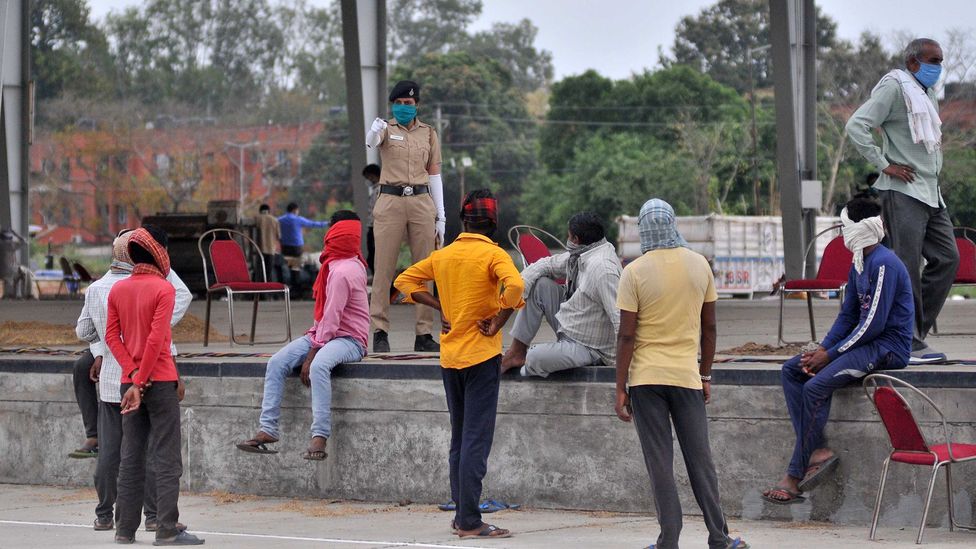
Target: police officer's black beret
column 405, row 88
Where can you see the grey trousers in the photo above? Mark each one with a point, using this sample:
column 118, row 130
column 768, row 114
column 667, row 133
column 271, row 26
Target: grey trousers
column 107, row 466
column 154, row 430
column 655, row 408
column 545, row 358
column 918, row 231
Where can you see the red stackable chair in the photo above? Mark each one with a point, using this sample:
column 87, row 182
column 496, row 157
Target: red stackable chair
column 966, row 272
column 232, row 277
column 909, row 445
column 525, row 239
column 835, row 266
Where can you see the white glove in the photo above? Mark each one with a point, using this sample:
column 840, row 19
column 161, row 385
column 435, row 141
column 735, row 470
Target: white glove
column 375, row 134
column 437, row 193
column 440, row 227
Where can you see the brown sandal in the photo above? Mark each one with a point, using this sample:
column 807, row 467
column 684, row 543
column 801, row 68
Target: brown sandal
column 487, row 531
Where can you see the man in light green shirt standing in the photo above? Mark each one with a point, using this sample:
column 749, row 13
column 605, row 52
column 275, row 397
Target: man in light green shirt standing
column 904, row 107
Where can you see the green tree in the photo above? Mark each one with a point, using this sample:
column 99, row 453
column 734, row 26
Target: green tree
column 717, row 40
column 512, row 45
column 68, row 52
column 419, row 27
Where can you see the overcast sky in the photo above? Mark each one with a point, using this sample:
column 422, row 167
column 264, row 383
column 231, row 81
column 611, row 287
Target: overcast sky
column 620, row 37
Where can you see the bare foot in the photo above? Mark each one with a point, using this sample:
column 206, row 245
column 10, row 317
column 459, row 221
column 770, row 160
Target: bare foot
column 316, row 449
column 820, row 455
column 515, row 356
column 789, row 484
column 91, row 442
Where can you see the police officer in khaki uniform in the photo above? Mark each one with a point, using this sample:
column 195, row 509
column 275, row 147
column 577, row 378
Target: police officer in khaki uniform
column 410, row 203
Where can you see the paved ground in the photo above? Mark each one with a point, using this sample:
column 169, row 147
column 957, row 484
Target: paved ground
column 48, row 517
column 740, row 321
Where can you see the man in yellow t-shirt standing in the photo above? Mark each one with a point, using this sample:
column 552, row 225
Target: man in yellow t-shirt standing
column 479, row 288
column 667, row 313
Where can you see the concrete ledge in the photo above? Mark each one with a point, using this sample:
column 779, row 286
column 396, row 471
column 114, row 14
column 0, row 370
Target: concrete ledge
column 557, row 442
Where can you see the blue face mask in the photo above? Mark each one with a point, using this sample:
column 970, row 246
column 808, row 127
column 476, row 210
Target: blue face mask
column 928, row 74
column 404, row 114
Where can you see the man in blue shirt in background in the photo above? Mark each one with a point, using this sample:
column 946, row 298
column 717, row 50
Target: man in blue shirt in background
column 872, row 332
column 292, row 241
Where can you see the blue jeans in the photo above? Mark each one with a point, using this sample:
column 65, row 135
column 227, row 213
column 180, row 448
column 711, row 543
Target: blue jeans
column 808, row 398
column 289, row 361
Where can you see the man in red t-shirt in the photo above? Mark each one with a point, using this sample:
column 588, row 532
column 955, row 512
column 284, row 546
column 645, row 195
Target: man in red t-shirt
column 139, row 336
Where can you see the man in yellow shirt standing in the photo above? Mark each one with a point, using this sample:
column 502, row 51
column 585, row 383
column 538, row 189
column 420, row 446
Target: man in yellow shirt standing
column 479, row 289
column 667, row 314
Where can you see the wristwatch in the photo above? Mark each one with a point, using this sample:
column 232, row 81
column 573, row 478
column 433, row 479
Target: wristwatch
column 706, row 378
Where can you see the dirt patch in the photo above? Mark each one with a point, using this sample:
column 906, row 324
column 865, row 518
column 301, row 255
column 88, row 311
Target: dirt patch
column 81, row 494
column 764, row 349
column 37, row 334
column 323, row 509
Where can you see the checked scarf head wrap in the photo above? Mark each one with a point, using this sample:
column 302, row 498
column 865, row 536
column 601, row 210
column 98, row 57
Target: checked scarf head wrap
column 572, row 266
column 141, row 237
column 657, row 226
column 344, row 240
column 480, row 208
column 121, row 262
column 859, row 235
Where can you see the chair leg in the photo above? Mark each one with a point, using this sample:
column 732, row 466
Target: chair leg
column 877, row 503
column 230, row 313
column 782, row 301
column 928, row 502
column 254, row 316
column 206, row 321
column 813, row 329
column 952, row 514
column 288, row 313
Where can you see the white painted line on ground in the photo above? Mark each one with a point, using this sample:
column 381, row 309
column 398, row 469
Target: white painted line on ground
column 267, row 536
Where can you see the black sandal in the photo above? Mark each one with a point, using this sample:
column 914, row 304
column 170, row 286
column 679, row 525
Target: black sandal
column 254, row 446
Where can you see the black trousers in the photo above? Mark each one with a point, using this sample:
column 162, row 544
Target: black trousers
column 370, row 248
column 85, row 393
column 472, row 400
column 153, row 429
column 292, row 251
column 107, row 467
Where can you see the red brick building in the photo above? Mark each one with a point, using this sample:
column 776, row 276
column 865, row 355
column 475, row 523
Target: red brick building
column 88, row 184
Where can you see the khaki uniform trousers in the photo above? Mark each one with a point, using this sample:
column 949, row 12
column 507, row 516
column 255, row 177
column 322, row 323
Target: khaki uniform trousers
column 393, row 218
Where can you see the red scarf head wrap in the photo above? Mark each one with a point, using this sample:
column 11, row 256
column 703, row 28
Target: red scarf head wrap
column 344, row 240
column 143, row 239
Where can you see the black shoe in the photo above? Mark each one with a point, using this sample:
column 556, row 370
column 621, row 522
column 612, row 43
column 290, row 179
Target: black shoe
column 381, row 342
column 101, row 525
column 183, row 538
column 425, row 343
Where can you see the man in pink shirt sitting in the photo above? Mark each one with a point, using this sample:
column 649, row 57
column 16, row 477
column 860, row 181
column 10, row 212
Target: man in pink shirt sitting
column 337, row 336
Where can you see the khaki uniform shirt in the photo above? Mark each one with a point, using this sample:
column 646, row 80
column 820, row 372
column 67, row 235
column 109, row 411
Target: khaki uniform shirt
column 269, row 233
column 408, row 156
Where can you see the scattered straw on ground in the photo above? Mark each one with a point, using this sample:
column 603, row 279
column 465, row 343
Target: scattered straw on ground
column 763, row 349
column 327, row 509
column 806, row 525
column 81, row 494
column 36, row 333
column 227, row 498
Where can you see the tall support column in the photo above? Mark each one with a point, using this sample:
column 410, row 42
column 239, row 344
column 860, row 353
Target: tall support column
column 14, row 118
column 793, row 37
column 364, row 44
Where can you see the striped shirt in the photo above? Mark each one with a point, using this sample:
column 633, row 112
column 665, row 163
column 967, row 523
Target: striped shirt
column 590, row 316
column 886, row 110
column 92, row 325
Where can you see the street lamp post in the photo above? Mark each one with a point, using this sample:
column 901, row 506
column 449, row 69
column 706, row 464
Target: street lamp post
column 240, row 167
column 754, row 132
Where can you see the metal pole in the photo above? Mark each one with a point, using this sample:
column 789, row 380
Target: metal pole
column 809, row 165
column 782, row 14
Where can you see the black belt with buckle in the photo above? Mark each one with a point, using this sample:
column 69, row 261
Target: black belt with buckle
column 406, row 190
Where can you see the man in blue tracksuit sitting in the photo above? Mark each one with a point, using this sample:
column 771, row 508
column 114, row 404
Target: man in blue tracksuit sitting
column 872, row 332
column 292, row 241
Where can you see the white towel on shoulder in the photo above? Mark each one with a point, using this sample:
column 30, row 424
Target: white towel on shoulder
column 923, row 119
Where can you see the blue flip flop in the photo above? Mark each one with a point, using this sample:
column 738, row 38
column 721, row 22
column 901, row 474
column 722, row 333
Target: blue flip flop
column 449, row 506
column 493, row 506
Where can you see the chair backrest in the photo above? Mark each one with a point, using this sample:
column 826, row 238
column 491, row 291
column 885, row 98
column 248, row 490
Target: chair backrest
column 83, row 273
column 532, row 248
column 967, row 259
column 229, row 263
column 836, row 261
column 227, row 259
column 896, row 415
column 66, row 269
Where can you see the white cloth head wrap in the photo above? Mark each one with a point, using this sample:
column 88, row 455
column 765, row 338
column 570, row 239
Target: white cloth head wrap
column 857, row 236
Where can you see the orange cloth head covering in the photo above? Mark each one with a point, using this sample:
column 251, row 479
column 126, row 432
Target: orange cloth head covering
column 144, row 240
column 344, row 240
